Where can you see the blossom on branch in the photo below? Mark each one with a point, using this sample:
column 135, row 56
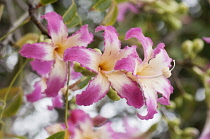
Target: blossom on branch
column 103, row 65
column 81, row 126
column 151, row 73
column 52, row 53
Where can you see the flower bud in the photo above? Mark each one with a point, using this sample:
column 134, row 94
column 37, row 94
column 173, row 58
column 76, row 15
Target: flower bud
column 83, row 70
column 171, row 7
column 173, row 22
column 174, row 122
column 97, row 50
column 190, row 132
column 198, row 45
column 183, row 8
column 172, row 105
column 188, row 97
column 48, row 41
column 178, row 101
column 187, row 48
column 112, row 94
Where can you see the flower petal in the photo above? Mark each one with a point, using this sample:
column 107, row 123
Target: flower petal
column 128, row 64
column 78, row 116
column 96, row 90
column 161, row 54
column 88, row 58
column 73, row 74
column 145, row 41
column 126, row 88
column 81, row 38
column 111, row 41
column 56, row 27
column 41, row 67
column 151, row 100
column 39, row 51
column 156, row 64
column 150, row 89
column 112, row 48
column 57, row 78
column 206, row 39
column 57, row 102
column 108, row 62
column 39, row 88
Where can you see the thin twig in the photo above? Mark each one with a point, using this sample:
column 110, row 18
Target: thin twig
column 32, row 11
column 12, row 17
column 66, row 97
column 18, row 23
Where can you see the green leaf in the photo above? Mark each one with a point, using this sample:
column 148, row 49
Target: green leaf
column 71, row 17
column 28, row 38
column 101, row 5
column 120, row 1
column 84, row 83
column 112, row 94
column 59, row 135
column 111, row 16
column 45, row 2
column 13, row 102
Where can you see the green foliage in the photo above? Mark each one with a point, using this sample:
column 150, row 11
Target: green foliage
column 13, row 102
column 83, row 83
column 45, row 2
column 71, row 17
column 83, row 70
column 101, row 5
column 59, row 135
column 28, row 38
column 111, row 16
column 112, row 94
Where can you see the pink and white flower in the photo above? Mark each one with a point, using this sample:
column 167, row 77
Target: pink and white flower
column 53, row 53
column 151, row 73
column 81, row 126
column 103, row 65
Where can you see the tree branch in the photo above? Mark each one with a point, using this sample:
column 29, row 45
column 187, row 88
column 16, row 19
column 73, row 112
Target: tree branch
column 32, row 10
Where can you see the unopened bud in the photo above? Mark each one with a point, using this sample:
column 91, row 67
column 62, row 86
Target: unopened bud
column 173, row 22
column 112, row 94
column 188, row 97
column 171, row 7
column 198, row 45
column 48, row 41
column 174, row 122
column 83, row 70
column 98, row 50
column 187, row 48
column 183, row 8
column 172, row 105
column 190, row 132
column 178, row 101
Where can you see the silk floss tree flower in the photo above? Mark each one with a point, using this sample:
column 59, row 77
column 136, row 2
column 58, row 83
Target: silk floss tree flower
column 52, row 53
column 81, row 126
column 151, row 73
column 103, row 65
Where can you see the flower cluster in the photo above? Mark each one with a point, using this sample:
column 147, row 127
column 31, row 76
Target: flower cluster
column 82, row 126
column 138, row 81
